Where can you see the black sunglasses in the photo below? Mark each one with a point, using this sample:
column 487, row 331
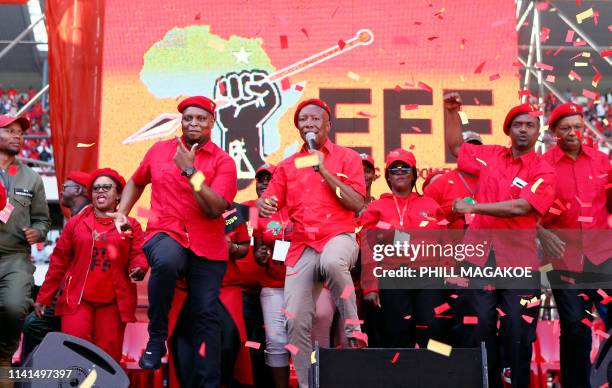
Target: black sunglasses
column 103, row 188
column 400, row 170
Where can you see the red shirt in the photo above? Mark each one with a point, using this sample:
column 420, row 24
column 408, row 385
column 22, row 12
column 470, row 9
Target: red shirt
column 173, row 202
column 250, row 272
column 99, row 284
column 313, row 207
column 500, row 176
column 277, row 227
column 2, row 196
column 448, row 187
column 232, row 274
column 580, row 205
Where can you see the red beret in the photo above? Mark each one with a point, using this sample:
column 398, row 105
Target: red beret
column 266, row 167
column 400, row 155
column 517, row 110
column 80, row 177
column 312, row 101
column 5, row 121
column 109, row 172
column 365, row 158
column 199, row 101
column 564, row 110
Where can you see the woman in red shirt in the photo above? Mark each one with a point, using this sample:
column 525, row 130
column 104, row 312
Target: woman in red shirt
column 409, row 316
column 94, row 265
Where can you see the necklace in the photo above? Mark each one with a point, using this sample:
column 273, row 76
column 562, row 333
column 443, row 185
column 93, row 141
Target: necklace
column 103, row 220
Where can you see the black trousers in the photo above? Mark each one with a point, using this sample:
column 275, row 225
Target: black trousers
column 35, row 329
column 169, row 260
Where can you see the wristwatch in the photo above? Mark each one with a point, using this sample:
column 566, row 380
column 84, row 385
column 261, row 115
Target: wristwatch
column 188, row 171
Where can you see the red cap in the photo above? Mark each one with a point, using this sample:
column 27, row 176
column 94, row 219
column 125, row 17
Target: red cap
column 312, row 101
column 365, row 158
column 517, row 110
column 564, row 110
column 80, row 177
column 5, row 121
column 402, row 155
column 266, row 167
column 109, row 172
column 199, row 101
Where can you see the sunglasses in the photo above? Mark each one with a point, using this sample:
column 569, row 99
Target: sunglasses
column 64, row 187
column 400, row 170
column 103, row 188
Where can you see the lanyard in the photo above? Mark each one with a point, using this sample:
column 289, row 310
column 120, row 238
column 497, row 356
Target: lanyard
column 283, row 226
column 467, row 186
column 401, row 215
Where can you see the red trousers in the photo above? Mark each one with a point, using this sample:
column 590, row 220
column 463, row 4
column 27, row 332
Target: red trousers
column 97, row 323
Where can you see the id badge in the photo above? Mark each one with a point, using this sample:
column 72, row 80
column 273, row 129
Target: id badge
column 400, row 237
column 281, row 248
column 518, row 182
column 5, row 213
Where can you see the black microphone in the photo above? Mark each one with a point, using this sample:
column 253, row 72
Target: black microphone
column 312, row 145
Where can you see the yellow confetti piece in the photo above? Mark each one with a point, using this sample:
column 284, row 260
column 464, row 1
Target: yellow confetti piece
column 464, row 117
column 313, row 357
column 537, row 184
column 353, row 76
column 581, row 64
column 461, row 78
column 90, row 379
column 358, row 229
column 586, row 54
column 215, row 44
column 481, row 161
column 341, row 175
column 524, row 301
column 338, row 193
column 423, row 224
column 306, row 161
column 584, row 15
column 85, row 145
column 546, row 268
column 197, row 179
column 439, row 347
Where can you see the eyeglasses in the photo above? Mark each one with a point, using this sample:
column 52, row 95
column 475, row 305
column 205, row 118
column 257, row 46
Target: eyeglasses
column 400, row 170
column 103, row 188
column 64, row 186
column 577, row 128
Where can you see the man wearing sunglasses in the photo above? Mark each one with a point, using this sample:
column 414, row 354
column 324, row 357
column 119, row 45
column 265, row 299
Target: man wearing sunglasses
column 23, row 222
column 322, row 201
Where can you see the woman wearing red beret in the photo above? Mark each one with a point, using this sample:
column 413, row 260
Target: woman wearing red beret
column 94, row 264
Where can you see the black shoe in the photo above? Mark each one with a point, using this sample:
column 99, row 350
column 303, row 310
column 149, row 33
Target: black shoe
column 151, row 359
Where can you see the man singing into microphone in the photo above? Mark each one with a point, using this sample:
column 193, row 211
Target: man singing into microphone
column 321, row 202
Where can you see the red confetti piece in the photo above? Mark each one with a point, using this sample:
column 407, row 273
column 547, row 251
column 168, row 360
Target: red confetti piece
column 365, row 114
column 341, row 44
column 602, row 293
column 416, row 129
column 408, row 317
column 421, row 326
column 285, row 83
column 579, row 43
column 283, row 42
column 432, row 38
column 202, row 351
column 419, row 23
column 305, row 32
column 605, row 335
column 606, row 300
column 463, row 42
column 558, row 51
column 288, row 314
column 500, row 312
column 587, row 322
column 424, row 86
column 569, row 36
column 494, row 77
column 411, row 106
column 354, row 322
column 543, row 66
column 299, row 87
column 442, row 308
column 13, row 170
column 596, row 79
column 292, row 273
column 347, row 291
column 606, row 53
column 383, row 225
column 476, row 101
column 395, row 358
column 292, row 349
column 398, row 88
column 198, row 17
column 479, row 68
column 443, row 222
column 527, row 318
column 252, row 345
column 544, row 33
column 543, row 6
column 470, row 320
column 550, row 78
column 584, row 296
column 229, row 212
column 534, row 304
column 555, row 211
column 584, row 219
column 411, row 147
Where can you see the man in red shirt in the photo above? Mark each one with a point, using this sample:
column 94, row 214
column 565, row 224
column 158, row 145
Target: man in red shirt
column 515, row 189
column 321, row 201
column 580, row 248
column 185, row 234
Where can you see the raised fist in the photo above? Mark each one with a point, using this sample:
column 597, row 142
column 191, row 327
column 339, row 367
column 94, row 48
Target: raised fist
column 250, row 100
column 452, row 102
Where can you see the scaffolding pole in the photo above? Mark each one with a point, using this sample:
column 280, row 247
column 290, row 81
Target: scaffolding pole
column 20, row 37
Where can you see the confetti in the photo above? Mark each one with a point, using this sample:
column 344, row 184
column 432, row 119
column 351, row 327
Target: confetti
column 383, row 225
column 462, row 44
column 85, row 145
column 606, row 53
column 416, row 129
column 353, row 76
column 90, row 379
column 252, row 345
column 581, row 64
column 606, row 300
column 536, row 184
column 550, row 78
column 347, row 291
column 574, row 76
column 584, row 219
column 439, row 347
column 579, row 42
column 584, row 296
column 202, row 351
column 443, row 222
column 587, row 322
column 365, row 114
column 500, row 312
column 229, row 212
column 423, row 224
column 197, row 180
column 543, row 66
column 602, row 333
column 584, row 15
column 292, row 349
column 299, row 88
column 602, row 293
column 313, row 357
column 424, row 86
column 283, row 42
column 464, row 117
column 285, row 84
column 589, row 94
column 569, row 36
column 534, row 303
column 442, row 308
column 411, row 106
column 360, row 335
column 341, row 44
column 287, row 313
column 338, row 192
column 13, row 170
column 470, row 320
column 479, row 68
column 558, row 51
column 527, row 318
column 408, row 317
column 554, row 211
column 354, row 322
column 481, row 161
column 306, row 161
column 432, row 38
column 395, row 357
column 494, row 77
column 305, row 32
column 596, row 79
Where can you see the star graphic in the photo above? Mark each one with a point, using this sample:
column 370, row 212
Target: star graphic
column 242, row 56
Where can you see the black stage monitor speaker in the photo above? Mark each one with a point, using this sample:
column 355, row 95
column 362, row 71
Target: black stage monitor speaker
column 59, row 351
column 415, row 368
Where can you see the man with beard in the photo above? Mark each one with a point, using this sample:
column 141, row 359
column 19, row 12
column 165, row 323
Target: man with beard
column 23, row 222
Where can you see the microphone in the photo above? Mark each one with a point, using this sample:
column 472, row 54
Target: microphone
column 310, row 139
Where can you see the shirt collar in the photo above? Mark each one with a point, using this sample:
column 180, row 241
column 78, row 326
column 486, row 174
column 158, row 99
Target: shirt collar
column 327, row 148
column 558, row 153
column 209, row 146
column 526, row 159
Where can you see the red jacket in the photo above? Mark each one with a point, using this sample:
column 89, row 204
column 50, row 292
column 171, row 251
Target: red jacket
column 71, row 260
column 3, row 195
